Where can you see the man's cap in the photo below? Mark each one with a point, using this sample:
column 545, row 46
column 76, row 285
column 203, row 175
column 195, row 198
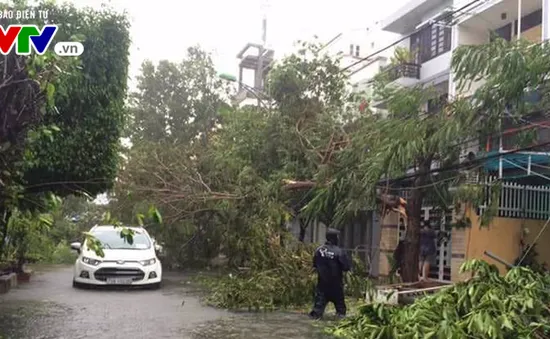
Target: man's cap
column 332, row 231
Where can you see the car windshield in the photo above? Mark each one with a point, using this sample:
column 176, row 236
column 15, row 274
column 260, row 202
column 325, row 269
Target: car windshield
column 111, row 239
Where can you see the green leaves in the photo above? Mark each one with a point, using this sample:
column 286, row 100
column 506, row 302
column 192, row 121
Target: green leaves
column 177, row 102
column 155, row 215
column 93, row 244
column 488, row 306
column 85, row 100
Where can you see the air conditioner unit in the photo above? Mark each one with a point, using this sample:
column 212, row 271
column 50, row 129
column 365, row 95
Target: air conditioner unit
column 469, row 151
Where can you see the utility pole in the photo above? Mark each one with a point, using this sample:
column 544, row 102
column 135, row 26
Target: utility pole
column 519, row 20
column 545, row 20
column 261, row 51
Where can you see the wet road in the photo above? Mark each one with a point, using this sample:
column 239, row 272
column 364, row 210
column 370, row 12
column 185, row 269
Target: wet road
column 49, row 307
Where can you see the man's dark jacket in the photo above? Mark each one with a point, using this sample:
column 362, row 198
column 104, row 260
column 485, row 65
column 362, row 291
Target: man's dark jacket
column 330, row 261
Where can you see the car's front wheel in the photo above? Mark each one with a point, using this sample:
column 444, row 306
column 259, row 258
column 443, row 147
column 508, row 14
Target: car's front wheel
column 77, row 284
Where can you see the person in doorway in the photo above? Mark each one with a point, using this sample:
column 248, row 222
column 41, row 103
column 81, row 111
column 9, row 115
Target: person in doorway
column 330, row 262
column 427, row 250
column 398, row 257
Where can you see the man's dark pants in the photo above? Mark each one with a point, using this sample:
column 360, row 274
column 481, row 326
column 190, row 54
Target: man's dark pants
column 325, row 293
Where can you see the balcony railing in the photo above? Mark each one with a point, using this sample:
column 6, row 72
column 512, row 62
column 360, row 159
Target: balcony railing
column 404, row 70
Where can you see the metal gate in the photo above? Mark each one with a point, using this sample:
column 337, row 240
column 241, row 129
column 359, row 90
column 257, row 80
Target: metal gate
column 440, row 267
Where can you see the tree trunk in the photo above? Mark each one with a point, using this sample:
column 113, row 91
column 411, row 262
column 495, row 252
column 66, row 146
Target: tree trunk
column 409, row 266
column 5, row 214
column 303, row 229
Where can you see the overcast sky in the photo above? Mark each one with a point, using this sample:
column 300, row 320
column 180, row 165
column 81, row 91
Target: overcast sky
column 164, row 29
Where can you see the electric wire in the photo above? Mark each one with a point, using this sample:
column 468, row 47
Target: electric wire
column 450, row 15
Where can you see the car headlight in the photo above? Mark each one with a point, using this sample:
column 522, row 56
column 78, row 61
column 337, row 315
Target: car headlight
column 148, row 262
column 91, row 261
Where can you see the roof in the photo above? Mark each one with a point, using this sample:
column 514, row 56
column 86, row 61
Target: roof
column 405, row 19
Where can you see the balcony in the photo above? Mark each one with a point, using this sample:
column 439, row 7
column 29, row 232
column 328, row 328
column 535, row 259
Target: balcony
column 404, row 74
column 407, row 18
column 501, row 17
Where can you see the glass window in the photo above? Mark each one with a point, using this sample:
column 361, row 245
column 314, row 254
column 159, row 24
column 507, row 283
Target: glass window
column 431, row 41
column 111, row 239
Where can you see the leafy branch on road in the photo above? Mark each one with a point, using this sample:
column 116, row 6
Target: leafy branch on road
column 487, row 306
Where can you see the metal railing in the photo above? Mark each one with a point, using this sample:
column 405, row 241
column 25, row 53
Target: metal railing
column 404, row 70
column 519, row 201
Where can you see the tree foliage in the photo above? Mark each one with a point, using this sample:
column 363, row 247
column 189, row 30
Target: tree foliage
column 225, row 195
column 89, row 107
column 62, row 117
column 177, row 102
column 487, row 306
column 408, row 136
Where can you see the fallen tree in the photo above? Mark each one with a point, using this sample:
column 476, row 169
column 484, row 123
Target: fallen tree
column 486, row 306
column 287, row 284
column 385, row 202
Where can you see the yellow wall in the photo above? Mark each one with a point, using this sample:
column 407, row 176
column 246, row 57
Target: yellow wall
column 533, row 34
column 502, row 238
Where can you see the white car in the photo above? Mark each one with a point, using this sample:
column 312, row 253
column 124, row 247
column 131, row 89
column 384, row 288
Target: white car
column 133, row 264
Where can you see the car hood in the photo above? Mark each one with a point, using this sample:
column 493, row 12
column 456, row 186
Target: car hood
column 119, row 254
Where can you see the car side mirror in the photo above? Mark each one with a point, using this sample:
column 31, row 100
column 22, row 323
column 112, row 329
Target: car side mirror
column 76, row 246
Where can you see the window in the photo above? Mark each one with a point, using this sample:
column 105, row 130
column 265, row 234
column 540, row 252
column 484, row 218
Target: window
column 431, row 42
column 504, row 32
column 357, row 50
column 111, row 239
column 351, row 49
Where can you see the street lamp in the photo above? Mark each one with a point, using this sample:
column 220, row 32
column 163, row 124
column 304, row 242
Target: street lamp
column 256, row 93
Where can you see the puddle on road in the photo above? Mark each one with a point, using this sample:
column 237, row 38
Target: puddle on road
column 26, row 319
column 31, row 313
column 23, row 319
column 260, row 326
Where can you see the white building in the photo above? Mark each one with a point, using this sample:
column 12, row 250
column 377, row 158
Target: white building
column 444, row 30
column 354, row 46
column 433, row 29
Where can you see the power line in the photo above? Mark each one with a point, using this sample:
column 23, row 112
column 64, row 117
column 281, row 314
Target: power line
column 331, row 41
column 409, row 35
column 339, row 35
column 465, row 164
column 434, row 183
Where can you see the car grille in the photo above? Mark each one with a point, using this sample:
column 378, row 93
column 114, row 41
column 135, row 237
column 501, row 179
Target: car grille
column 112, row 272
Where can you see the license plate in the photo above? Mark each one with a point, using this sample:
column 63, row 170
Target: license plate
column 119, row 281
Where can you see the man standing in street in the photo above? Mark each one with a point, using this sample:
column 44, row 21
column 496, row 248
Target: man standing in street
column 330, row 262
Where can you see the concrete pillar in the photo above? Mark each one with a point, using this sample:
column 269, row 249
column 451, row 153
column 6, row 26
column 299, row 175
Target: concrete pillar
column 388, row 241
column 459, row 246
column 240, row 78
column 454, row 44
column 545, row 20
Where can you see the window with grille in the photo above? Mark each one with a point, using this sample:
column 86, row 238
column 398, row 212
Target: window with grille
column 356, row 51
column 431, row 42
column 351, row 49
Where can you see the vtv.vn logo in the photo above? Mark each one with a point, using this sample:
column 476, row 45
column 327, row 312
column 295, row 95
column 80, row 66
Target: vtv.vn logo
column 25, row 38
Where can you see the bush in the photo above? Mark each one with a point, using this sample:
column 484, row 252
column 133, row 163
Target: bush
column 63, row 254
column 486, row 306
column 46, row 252
column 290, row 284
